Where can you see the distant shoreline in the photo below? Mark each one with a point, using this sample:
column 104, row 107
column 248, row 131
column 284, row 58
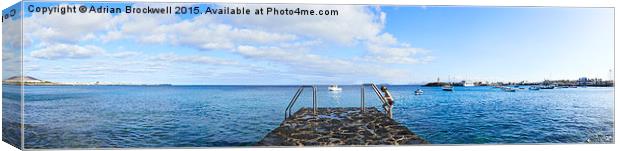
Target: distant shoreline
column 560, row 83
column 32, row 81
column 234, row 85
column 67, row 84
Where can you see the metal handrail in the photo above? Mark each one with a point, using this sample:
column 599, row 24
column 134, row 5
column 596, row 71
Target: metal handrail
column 363, row 100
column 374, row 87
column 293, row 100
column 291, row 104
column 376, row 90
column 288, row 110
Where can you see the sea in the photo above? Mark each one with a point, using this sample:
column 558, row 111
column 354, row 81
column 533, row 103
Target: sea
column 230, row 116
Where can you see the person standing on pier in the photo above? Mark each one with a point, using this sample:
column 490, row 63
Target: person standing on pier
column 390, row 101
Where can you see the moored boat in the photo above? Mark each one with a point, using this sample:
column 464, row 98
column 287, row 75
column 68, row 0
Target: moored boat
column 447, row 88
column 334, row 88
column 468, row 84
column 419, row 92
column 509, row 89
column 547, row 87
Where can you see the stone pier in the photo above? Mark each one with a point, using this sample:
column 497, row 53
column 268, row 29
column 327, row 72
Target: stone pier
column 340, row 126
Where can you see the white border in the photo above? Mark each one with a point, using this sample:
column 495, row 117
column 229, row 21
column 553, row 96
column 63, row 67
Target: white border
column 556, row 3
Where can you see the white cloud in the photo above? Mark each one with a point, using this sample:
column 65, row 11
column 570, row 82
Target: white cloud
column 292, row 41
column 110, row 36
column 386, row 48
column 202, row 32
column 60, row 51
column 171, row 57
column 352, row 24
column 67, row 28
column 124, row 54
column 355, row 24
column 11, row 34
column 331, row 69
column 11, row 63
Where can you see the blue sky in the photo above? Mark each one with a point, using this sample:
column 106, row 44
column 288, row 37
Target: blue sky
column 386, row 44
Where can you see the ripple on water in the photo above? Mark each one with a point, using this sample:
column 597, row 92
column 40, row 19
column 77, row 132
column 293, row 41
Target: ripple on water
column 197, row 116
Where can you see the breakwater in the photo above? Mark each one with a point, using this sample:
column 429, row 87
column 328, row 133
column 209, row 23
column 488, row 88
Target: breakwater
column 340, row 126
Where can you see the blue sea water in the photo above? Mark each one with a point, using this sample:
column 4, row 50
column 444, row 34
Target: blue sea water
column 203, row 116
column 11, row 115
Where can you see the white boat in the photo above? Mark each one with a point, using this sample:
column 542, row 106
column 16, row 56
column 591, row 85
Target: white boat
column 534, row 88
column 468, row 84
column 547, row 87
column 447, row 88
column 334, row 88
column 419, row 92
column 509, row 89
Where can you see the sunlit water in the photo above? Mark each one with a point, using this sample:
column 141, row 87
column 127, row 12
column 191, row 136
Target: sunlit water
column 201, row 116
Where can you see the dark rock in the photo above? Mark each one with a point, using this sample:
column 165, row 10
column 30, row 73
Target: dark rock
column 339, row 126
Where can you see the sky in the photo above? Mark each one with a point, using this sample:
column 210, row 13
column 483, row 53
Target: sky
column 364, row 43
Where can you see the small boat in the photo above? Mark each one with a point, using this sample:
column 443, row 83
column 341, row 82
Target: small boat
column 418, row 92
column 509, row 89
column 534, row 88
column 573, row 86
column 447, row 88
column 334, row 88
column 547, row 87
column 468, row 84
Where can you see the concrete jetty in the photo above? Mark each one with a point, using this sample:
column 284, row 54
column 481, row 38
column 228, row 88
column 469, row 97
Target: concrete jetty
column 340, row 126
